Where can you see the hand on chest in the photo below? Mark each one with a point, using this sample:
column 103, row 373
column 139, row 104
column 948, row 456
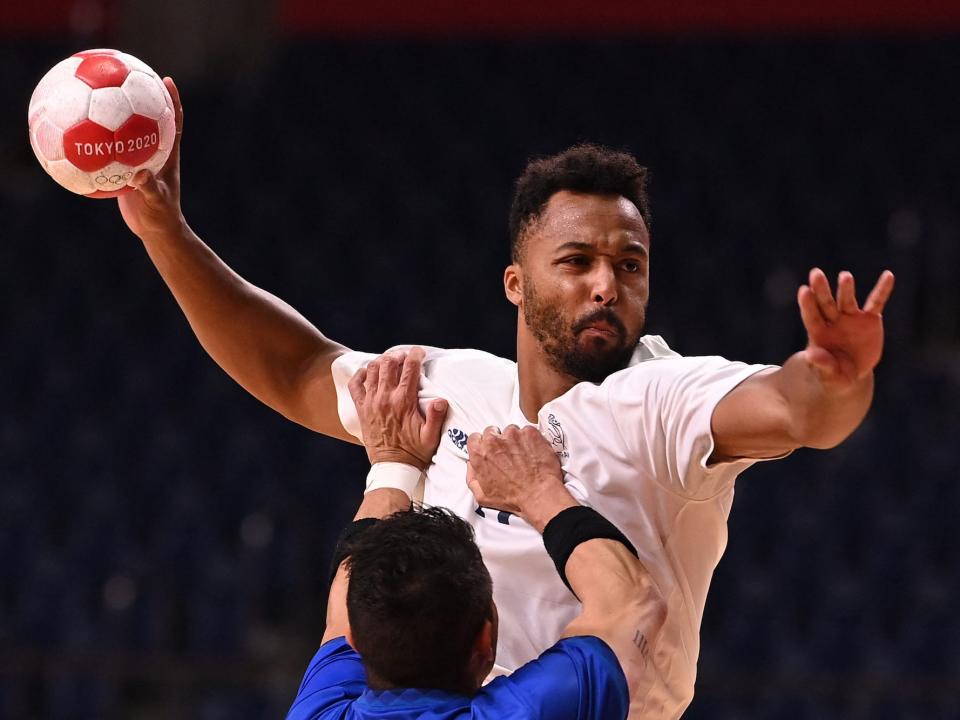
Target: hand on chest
column 446, row 477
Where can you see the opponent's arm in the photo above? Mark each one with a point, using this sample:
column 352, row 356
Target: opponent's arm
column 394, row 431
column 517, row 470
column 261, row 342
column 822, row 393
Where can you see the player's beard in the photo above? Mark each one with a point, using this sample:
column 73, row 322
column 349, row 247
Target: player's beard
column 591, row 362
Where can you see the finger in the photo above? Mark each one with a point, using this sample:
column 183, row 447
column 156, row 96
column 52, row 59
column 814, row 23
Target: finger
column 531, row 435
column 146, row 183
column 474, row 485
column 173, row 162
column 880, row 293
column 821, row 291
column 355, row 386
column 491, row 430
column 433, row 425
column 809, row 309
column 473, row 444
column 510, row 431
column 847, row 293
column 409, row 383
column 397, row 361
column 373, row 377
column 389, row 372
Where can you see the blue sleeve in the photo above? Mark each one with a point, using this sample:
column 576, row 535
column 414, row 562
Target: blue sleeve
column 334, row 679
column 579, row 678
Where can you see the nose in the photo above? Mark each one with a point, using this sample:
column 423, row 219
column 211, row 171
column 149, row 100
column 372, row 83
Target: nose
column 604, row 284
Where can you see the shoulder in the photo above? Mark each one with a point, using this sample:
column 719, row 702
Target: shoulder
column 656, row 362
column 468, row 377
column 333, row 680
column 461, row 359
column 577, row 677
column 439, row 360
column 652, row 347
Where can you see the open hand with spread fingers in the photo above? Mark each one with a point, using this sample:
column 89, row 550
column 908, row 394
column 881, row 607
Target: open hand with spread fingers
column 845, row 341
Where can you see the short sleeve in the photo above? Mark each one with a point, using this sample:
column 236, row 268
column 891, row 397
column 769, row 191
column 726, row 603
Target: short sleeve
column 343, row 369
column 334, row 679
column 664, row 408
column 471, row 380
column 578, row 678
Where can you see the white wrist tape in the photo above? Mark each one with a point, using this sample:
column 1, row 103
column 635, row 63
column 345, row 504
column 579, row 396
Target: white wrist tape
column 398, row 476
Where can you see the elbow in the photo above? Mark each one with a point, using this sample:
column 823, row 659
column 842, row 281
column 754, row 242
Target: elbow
column 828, row 430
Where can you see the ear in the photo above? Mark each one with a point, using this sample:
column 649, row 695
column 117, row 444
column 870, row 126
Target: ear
column 482, row 655
column 513, row 284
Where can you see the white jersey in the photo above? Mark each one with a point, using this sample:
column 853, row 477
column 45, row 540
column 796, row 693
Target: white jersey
column 634, row 447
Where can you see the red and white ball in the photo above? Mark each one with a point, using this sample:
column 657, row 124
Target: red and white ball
column 97, row 118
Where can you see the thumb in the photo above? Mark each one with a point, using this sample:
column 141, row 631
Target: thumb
column 436, row 414
column 146, row 183
column 473, row 484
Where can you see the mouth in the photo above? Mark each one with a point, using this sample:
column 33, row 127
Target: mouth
column 602, row 330
column 601, row 326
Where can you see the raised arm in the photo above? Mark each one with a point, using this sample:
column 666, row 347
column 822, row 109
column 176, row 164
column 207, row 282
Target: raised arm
column 262, row 343
column 517, row 470
column 822, row 393
column 400, row 441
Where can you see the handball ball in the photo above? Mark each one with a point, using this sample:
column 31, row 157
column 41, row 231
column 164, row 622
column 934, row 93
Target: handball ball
column 97, row 118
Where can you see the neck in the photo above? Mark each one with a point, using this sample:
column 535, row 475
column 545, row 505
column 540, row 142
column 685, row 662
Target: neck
column 540, row 381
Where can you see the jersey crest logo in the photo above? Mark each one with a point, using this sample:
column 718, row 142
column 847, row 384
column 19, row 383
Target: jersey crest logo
column 458, row 437
column 556, row 437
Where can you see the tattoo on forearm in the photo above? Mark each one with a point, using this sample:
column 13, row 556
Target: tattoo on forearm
column 640, row 640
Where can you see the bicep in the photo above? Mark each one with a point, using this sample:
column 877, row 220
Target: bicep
column 752, row 420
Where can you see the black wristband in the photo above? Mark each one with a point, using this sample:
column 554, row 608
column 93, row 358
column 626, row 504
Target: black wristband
column 576, row 525
column 344, row 546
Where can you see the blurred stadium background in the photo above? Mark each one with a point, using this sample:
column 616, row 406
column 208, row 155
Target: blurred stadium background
column 164, row 538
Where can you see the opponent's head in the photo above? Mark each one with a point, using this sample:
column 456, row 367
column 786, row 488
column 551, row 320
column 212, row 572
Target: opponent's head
column 420, row 603
column 579, row 238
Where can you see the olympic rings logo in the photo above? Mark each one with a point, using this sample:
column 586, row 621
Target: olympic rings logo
column 115, row 180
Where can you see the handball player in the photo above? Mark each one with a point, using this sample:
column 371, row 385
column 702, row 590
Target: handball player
column 411, row 595
column 652, row 440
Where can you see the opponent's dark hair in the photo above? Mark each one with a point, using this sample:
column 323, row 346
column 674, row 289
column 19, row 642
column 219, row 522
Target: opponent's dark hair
column 586, row 168
column 419, row 594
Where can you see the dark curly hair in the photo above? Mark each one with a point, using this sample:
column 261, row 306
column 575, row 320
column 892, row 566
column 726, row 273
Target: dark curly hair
column 418, row 595
column 586, row 168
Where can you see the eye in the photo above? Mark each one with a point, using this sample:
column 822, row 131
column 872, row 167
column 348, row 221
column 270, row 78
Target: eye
column 578, row 260
column 631, row 266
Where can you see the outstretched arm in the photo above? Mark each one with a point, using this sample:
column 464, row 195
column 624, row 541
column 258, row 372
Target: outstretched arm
column 822, row 393
column 517, row 470
column 261, row 342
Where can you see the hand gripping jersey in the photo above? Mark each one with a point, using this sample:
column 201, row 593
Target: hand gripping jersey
column 578, row 678
column 634, row 447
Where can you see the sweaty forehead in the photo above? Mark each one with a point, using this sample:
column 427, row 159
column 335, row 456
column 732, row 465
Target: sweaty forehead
column 578, row 217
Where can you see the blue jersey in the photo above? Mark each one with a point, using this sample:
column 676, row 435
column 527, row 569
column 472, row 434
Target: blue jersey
column 578, row 678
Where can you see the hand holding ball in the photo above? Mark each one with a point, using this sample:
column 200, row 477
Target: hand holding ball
column 97, row 118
